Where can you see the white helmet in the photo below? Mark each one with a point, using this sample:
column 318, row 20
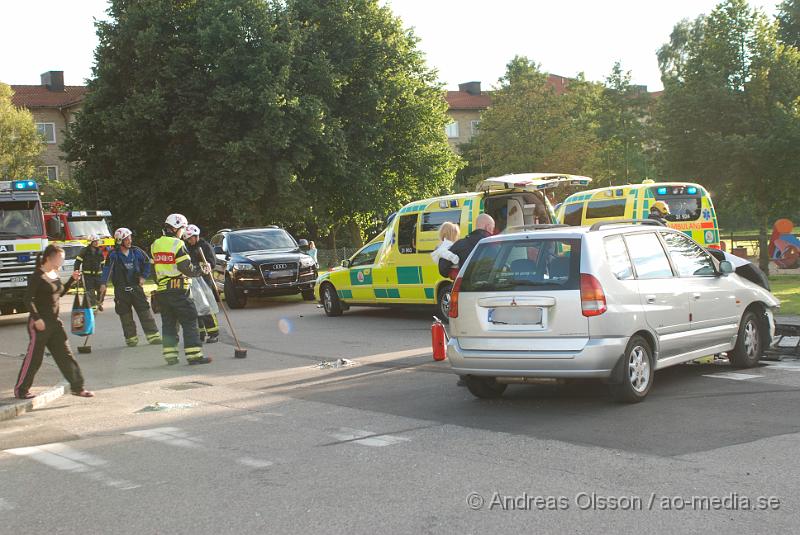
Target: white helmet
column 191, row 230
column 94, row 237
column 122, row 233
column 176, row 221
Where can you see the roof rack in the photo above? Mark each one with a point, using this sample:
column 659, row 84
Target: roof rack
column 534, row 226
column 651, row 222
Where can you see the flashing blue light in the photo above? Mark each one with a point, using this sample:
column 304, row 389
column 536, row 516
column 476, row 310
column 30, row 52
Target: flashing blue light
column 691, row 190
column 662, row 191
column 453, row 203
column 24, row 258
column 24, row 185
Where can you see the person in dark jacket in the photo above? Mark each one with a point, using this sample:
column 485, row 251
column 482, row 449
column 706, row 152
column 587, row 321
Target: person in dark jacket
column 484, row 227
column 127, row 268
column 45, row 327
column 659, row 212
column 208, row 325
column 91, row 259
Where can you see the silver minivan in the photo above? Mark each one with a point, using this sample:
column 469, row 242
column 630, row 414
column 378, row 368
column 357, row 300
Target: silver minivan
column 615, row 301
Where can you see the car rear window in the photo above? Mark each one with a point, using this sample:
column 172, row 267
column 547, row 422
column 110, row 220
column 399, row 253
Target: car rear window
column 523, row 265
column 606, row 208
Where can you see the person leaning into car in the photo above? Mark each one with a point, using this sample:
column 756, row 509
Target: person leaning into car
column 484, row 227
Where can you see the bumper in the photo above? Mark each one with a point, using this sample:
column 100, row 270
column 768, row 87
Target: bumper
column 13, row 296
column 596, row 360
column 257, row 287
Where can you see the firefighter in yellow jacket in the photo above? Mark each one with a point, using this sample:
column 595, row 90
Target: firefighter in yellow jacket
column 173, row 272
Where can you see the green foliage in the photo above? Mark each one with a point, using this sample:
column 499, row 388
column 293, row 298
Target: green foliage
column 20, row 143
column 306, row 114
column 789, row 22
column 730, row 113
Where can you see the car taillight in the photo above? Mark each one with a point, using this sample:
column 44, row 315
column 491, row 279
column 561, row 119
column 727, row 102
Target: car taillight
column 453, row 313
column 593, row 299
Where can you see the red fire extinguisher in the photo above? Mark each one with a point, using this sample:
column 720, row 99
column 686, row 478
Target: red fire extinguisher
column 438, row 340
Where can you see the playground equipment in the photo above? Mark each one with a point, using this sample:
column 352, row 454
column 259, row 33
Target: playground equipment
column 784, row 247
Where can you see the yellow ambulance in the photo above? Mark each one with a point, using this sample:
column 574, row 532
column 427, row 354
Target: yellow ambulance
column 396, row 268
column 690, row 206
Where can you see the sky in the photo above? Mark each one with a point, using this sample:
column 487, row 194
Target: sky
column 464, row 40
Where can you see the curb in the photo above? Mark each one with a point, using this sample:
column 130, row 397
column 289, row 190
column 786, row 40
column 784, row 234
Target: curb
column 7, row 412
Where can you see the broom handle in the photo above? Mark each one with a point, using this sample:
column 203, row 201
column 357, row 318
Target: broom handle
column 216, row 296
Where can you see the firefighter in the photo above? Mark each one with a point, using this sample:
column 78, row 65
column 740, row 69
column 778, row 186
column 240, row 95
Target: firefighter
column 173, row 269
column 659, row 212
column 208, row 325
column 91, row 259
column 127, row 267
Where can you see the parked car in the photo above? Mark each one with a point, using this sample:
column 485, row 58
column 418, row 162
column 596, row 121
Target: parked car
column 261, row 262
column 615, row 301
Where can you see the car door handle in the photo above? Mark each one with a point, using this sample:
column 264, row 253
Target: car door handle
column 696, row 296
column 650, row 299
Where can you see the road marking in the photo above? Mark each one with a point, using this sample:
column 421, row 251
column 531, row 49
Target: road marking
column 734, row 376
column 254, row 463
column 168, row 435
column 64, row 458
column 366, row 438
column 790, row 364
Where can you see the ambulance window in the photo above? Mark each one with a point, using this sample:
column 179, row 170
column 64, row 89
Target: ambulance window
column 572, row 214
column 366, row 256
column 609, row 208
column 431, row 221
column 407, row 234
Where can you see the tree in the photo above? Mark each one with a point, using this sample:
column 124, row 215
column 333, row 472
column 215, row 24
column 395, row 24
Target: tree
column 789, row 22
column 381, row 114
column 20, row 143
column 623, row 128
column 531, row 128
column 192, row 110
column 730, row 113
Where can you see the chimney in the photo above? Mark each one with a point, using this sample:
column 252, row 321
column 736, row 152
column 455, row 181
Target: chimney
column 473, row 88
column 53, row 80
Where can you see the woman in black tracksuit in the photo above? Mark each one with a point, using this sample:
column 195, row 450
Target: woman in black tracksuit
column 45, row 328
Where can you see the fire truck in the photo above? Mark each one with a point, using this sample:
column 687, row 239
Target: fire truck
column 22, row 237
column 71, row 230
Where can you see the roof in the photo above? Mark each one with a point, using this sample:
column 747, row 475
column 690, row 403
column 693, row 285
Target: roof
column 38, row 96
column 461, row 100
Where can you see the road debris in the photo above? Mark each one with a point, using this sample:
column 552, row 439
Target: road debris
column 338, row 363
column 158, row 407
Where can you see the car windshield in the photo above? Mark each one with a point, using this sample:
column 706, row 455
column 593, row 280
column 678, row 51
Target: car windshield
column 20, row 219
column 260, row 240
column 81, row 228
column 523, row 265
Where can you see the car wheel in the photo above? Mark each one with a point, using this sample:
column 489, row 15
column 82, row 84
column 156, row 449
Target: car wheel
column 747, row 351
column 443, row 302
column 233, row 297
column 638, row 372
column 484, row 387
column 330, row 301
column 308, row 295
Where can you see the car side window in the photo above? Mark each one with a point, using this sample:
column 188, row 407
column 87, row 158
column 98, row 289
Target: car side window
column 648, row 256
column 572, row 214
column 617, row 256
column 407, row 234
column 367, row 255
column 690, row 259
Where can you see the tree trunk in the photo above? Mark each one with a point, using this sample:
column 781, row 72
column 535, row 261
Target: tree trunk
column 763, row 254
column 355, row 232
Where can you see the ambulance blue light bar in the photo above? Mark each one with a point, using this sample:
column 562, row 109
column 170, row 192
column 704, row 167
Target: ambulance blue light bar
column 691, row 190
column 24, row 185
column 662, row 191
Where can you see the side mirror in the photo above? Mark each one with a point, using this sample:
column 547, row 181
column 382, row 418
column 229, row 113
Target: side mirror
column 54, row 228
column 345, row 263
column 303, row 244
column 725, row 267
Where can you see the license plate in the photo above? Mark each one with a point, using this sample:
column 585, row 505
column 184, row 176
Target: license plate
column 281, row 274
column 516, row 316
column 19, row 279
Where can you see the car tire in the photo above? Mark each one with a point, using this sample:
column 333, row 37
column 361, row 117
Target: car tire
column 637, row 374
column 443, row 302
column 330, row 301
column 747, row 351
column 484, row 387
column 233, row 297
column 308, row 295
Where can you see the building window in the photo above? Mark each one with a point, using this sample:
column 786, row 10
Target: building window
column 48, row 130
column 50, row 172
column 473, row 126
column 452, row 129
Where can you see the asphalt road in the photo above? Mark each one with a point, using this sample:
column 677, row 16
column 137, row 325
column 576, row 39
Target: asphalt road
column 273, row 443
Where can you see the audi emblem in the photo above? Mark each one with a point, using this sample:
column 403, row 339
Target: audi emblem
column 280, row 266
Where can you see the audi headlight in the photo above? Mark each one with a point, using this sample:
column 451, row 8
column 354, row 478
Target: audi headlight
column 244, row 267
column 307, row 261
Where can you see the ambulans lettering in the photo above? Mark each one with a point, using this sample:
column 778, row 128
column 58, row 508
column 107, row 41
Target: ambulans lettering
column 6, row 248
